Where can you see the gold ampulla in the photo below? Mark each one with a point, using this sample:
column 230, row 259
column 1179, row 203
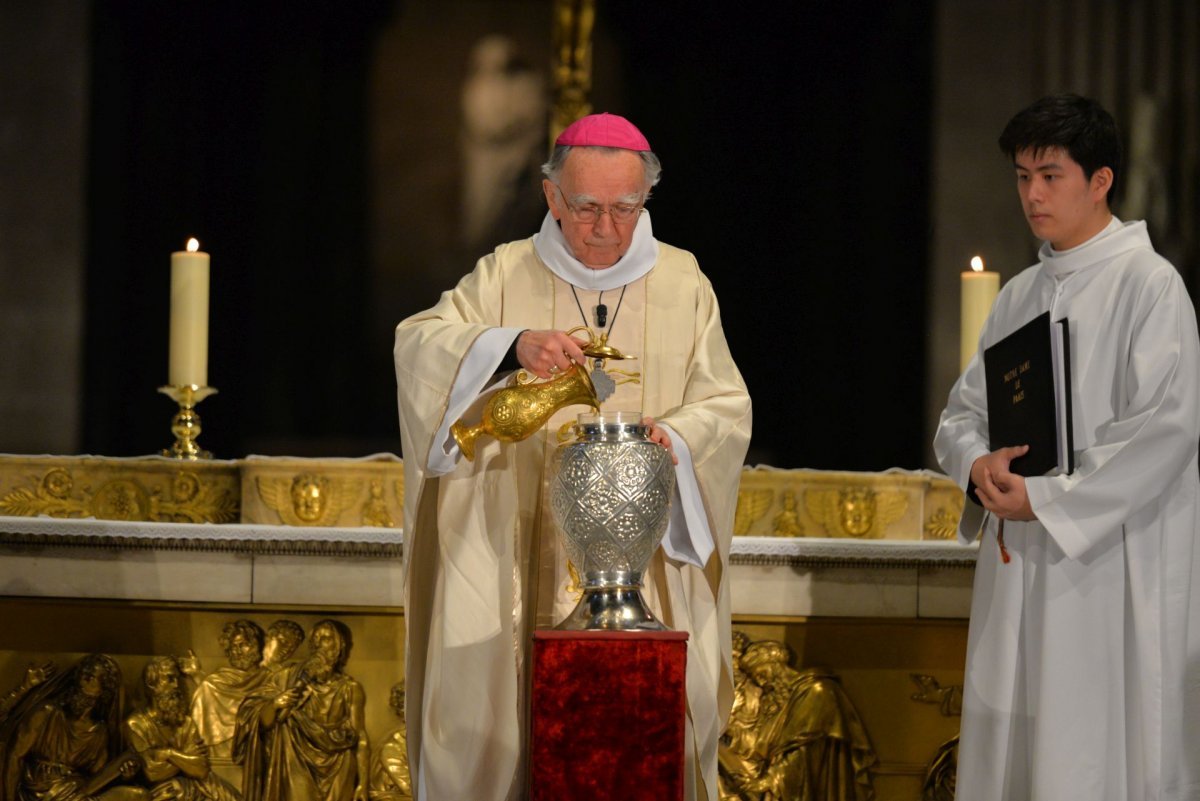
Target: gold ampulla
column 524, row 406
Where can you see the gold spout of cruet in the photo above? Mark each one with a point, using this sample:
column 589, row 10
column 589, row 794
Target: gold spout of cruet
column 521, row 408
column 597, row 347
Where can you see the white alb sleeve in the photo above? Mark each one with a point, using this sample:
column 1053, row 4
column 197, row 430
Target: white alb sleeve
column 688, row 538
column 477, row 367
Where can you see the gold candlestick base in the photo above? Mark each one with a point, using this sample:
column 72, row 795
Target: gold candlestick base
column 185, row 425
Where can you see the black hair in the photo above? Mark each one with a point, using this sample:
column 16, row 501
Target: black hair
column 1078, row 125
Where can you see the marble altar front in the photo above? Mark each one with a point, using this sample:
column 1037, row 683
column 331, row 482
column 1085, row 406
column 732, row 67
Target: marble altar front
column 883, row 614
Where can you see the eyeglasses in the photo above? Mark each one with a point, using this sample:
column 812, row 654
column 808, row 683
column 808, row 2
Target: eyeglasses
column 589, row 214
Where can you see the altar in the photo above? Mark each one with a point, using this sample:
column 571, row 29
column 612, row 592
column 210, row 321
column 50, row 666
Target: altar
column 886, row 617
column 856, row 574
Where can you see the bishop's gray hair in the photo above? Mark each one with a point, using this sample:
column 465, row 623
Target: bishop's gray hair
column 652, row 167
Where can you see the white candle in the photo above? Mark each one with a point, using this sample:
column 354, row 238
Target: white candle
column 979, row 288
column 189, row 317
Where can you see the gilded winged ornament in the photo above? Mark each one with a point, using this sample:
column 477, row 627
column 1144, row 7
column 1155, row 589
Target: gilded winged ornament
column 855, row 511
column 751, row 505
column 308, row 499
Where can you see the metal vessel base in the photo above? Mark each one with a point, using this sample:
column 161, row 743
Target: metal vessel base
column 611, row 609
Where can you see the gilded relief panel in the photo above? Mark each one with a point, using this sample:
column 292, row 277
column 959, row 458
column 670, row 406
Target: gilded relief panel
column 162, row 490
column 261, row 490
column 871, row 700
column 896, row 505
column 158, row 702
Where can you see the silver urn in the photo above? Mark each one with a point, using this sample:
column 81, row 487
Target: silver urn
column 610, row 494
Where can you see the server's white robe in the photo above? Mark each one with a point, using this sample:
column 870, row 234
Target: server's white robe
column 1083, row 658
column 480, row 549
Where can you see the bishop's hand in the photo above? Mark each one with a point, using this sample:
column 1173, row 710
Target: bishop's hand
column 659, row 435
column 548, row 353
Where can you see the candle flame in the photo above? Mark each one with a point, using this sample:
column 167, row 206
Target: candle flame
column 977, row 264
column 193, row 245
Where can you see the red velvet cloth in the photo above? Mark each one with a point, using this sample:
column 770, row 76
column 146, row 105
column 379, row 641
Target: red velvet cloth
column 607, row 715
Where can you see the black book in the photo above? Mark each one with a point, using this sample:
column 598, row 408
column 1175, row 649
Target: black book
column 1029, row 396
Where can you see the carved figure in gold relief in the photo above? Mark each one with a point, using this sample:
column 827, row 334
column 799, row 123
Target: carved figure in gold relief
column 811, row 741
column 173, row 756
column 62, row 741
column 218, row 695
column 282, row 639
column 302, row 736
column 738, row 760
column 787, row 522
column 930, row 691
column 375, row 511
column 855, row 511
column 390, row 776
column 941, row 774
column 34, row 675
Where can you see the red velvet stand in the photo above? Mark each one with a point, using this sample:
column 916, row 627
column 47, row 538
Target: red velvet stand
column 607, row 715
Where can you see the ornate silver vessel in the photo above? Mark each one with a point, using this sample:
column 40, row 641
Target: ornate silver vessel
column 610, row 495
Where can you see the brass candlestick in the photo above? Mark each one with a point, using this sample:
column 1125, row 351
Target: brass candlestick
column 185, row 425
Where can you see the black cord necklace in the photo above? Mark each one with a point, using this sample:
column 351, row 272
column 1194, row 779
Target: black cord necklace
column 602, row 382
column 601, row 312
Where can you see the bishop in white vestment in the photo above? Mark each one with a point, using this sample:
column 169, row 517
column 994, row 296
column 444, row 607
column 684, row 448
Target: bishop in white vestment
column 484, row 565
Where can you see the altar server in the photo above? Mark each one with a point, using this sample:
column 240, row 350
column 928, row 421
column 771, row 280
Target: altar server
column 484, row 564
column 1083, row 658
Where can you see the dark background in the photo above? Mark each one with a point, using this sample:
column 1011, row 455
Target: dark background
column 795, row 141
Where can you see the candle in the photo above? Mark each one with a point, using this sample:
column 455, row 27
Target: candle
column 979, row 288
column 189, row 317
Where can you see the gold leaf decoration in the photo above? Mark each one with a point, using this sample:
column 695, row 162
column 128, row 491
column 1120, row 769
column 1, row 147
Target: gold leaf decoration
column 123, row 495
column 309, row 499
column 941, row 525
column 375, row 510
column 787, row 522
column 751, row 505
column 855, row 511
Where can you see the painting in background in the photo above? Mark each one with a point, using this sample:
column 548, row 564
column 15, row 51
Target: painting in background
column 460, row 104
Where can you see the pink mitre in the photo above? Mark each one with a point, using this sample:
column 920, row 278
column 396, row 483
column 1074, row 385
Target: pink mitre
column 603, row 130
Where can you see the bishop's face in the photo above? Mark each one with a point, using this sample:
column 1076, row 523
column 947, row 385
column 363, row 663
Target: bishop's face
column 603, row 179
column 1062, row 205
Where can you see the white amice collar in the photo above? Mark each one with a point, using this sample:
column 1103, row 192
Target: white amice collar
column 1116, row 237
column 551, row 246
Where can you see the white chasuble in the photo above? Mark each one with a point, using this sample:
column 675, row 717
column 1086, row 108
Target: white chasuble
column 483, row 562
column 1083, row 657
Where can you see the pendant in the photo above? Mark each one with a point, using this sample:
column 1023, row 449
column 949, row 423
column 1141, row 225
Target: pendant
column 601, row 315
column 602, row 382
